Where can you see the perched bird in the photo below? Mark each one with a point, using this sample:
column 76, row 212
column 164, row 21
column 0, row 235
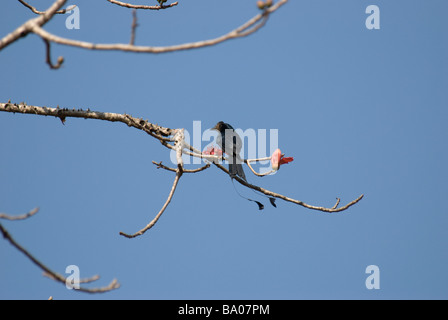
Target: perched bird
column 230, row 143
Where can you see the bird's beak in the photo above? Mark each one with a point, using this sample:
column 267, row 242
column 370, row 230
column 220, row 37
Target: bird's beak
column 215, row 127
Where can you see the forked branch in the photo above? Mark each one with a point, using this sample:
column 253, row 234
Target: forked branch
column 47, row 271
column 178, row 140
column 35, row 26
column 170, row 139
column 63, row 11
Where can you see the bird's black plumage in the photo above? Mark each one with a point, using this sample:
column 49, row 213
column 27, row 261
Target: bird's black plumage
column 230, row 143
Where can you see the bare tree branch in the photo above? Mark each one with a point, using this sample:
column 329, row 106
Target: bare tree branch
column 133, row 6
column 280, row 196
column 244, row 30
column 133, row 27
column 48, row 57
column 179, row 141
column 167, row 137
column 160, row 165
column 337, row 203
column 56, row 276
column 20, row 217
column 35, row 26
column 27, row 27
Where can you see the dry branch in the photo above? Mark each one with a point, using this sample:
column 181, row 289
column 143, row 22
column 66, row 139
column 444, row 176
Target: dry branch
column 165, row 205
column 56, row 276
column 19, row 217
column 28, row 26
column 63, row 11
column 178, row 145
column 133, row 27
column 298, row 202
column 154, row 130
column 137, row 6
column 35, row 26
column 160, row 165
column 170, row 138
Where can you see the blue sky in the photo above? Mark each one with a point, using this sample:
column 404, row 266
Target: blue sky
column 361, row 111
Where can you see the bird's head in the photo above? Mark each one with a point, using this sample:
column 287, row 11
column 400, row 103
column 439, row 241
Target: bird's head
column 221, row 126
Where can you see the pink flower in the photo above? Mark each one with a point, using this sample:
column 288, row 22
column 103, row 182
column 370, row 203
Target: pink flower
column 277, row 159
column 213, row 151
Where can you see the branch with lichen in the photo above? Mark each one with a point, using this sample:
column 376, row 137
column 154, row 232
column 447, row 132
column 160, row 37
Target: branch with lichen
column 171, row 139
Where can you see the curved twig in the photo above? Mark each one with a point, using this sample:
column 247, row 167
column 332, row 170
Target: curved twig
column 154, row 130
column 154, row 221
column 19, row 217
column 280, row 196
column 48, row 56
column 179, row 141
column 336, row 204
column 137, row 6
column 35, row 26
column 56, row 276
column 160, row 165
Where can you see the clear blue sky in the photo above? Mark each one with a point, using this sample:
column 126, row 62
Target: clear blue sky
column 361, row 111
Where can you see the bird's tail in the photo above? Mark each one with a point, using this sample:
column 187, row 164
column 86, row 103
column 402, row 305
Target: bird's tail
column 237, row 169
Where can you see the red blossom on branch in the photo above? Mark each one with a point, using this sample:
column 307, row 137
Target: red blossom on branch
column 213, row 151
column 277, row 159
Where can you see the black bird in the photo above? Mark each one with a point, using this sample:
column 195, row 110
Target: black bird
column 232, row 146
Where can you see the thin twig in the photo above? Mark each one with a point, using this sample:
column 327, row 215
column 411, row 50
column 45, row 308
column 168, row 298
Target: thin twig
column 63, row 11
column 27, row 27
column 160, row 165
column 280, row 196
column 157, row 131
column 133, row 27
column 136, row 6
column 178, row 139
column 167, row 202
column 19, row 217
column 35, row 25
column 53, row 275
